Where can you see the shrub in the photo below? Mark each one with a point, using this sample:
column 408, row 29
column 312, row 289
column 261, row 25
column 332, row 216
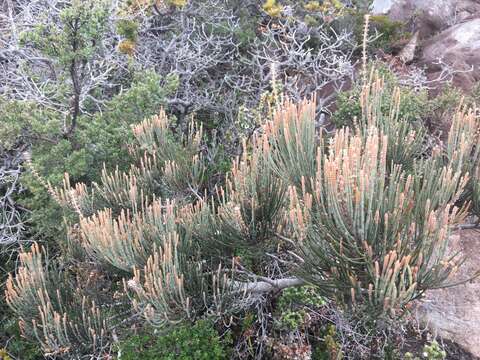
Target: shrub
column 413, row 107
column 336, row 238
column 60, row 320
column 329, row 349
column 18, row 346
column 72, row 39
column 407, row 138
column 389, row 32
column 272, row 8
column 199, row 341
column 351, row 215
column 99, row 141
column 128, row 29
column 294, row 303
column 431, row 351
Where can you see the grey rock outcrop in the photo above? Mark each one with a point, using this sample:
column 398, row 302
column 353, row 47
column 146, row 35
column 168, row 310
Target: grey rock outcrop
column 459, row 47
column 448, row 30
column 427, row 16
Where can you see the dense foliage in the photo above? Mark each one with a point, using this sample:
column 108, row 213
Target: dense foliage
column 199, row 342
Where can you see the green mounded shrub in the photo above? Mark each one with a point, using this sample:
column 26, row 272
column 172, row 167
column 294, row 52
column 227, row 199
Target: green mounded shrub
column 186, row 342
column 294, row 303
column 430, row 351
column 390, row 32
column 413, row 107
column 128, row 28
column 384, row 34
column 329, row 348
column 17, row 345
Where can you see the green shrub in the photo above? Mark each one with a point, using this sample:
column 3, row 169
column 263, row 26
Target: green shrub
column 431, row 351
column 198, row 342
column 389, row 32
column 18, row 346
column 294, row 304
column 306, row 295
column 414, row 105
column 100, row 140
column 434, row 351
column 128, row 29
column 328, row 348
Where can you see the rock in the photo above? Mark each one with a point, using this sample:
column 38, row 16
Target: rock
column 381, row 7
column 454, row 313
column 427, row 16
column 408, row 52
column 458, row 47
